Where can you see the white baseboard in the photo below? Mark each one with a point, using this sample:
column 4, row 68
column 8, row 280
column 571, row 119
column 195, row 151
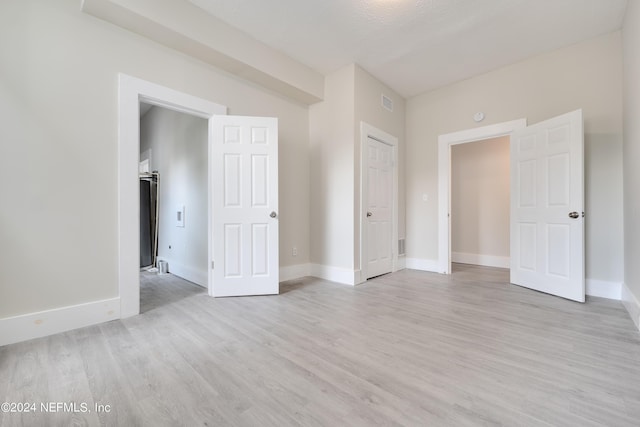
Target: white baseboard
column 402, row 263
column 357, row 277
column 292, row 272
column 632, row 304
column 603, row 289
column 194, row 275
column 335, row 274
column 422, row 264
column 479, row 259
column 49, row 322
column 200, row 277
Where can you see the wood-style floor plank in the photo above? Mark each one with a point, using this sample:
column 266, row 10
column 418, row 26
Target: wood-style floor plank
column 404, row 349
column 7, row 362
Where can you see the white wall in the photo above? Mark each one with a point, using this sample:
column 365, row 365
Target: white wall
column 331, row 139
column 178, row 143
column 480, row 202
column 587, row 75
column 368, row 109
column 351, row 95
column 58, row 156
column 631, row 60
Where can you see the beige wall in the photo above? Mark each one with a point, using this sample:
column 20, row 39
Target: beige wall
column 631, row 49
column 368, row 109
column 183, row 26
column 58, row 159
column 587, row 75
column 351, row 96
column 58, row 162
column 480, row 198
column 331, row 185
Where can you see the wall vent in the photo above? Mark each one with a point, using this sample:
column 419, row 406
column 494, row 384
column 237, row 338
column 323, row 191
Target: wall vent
column 387, row 102
column 401, row 247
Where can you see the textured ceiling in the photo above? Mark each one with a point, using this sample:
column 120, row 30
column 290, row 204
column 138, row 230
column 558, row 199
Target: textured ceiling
column 418, row 45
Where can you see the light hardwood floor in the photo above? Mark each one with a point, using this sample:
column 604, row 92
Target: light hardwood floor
column 409, row 348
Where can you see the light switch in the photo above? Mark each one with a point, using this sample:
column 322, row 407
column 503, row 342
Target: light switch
column 180, row 216
column 425, row 197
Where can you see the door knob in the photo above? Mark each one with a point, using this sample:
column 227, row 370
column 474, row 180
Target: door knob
column 369, row 214
column 273, row 214
column 574, row 215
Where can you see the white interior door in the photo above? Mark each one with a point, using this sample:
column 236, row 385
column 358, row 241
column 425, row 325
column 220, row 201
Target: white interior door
column 379, row 207
column 547, row 204
column 245, row 206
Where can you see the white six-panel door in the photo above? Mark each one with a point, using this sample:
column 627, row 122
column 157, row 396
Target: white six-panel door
column 245, row 206
column 547, row 204
column 379, row 207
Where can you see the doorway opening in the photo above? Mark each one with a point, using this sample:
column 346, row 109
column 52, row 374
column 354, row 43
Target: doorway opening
column 173, row 200
column 132, row 92
column 546, row 196
column 480, row 209
column 445, row 144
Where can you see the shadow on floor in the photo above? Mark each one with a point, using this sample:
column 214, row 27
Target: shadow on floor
column 159, row 290
column 291, row 285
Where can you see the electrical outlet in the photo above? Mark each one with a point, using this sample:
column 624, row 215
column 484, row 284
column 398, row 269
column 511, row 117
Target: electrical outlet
column 294, row 251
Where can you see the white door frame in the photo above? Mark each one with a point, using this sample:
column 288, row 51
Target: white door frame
column 445, row 142
column 367, row 131
column 131, row 91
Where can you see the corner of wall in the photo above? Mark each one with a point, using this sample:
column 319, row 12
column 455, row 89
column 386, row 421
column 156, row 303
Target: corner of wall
column 293, row 272
column 631, row 156
column 344, row 276
column 331, row 136
column 430, row 265
column 632, row 305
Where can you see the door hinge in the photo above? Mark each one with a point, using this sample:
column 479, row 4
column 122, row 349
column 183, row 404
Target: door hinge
column 212, row 265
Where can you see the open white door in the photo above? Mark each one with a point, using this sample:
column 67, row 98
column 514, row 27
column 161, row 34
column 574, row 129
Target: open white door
column 245, row 205
column 547, row 205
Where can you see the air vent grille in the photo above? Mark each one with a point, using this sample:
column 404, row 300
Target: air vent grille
column 387, row 103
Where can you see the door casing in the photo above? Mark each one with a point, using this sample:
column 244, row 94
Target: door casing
column 131, row 91
column 445, row 142
column 368, row 131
